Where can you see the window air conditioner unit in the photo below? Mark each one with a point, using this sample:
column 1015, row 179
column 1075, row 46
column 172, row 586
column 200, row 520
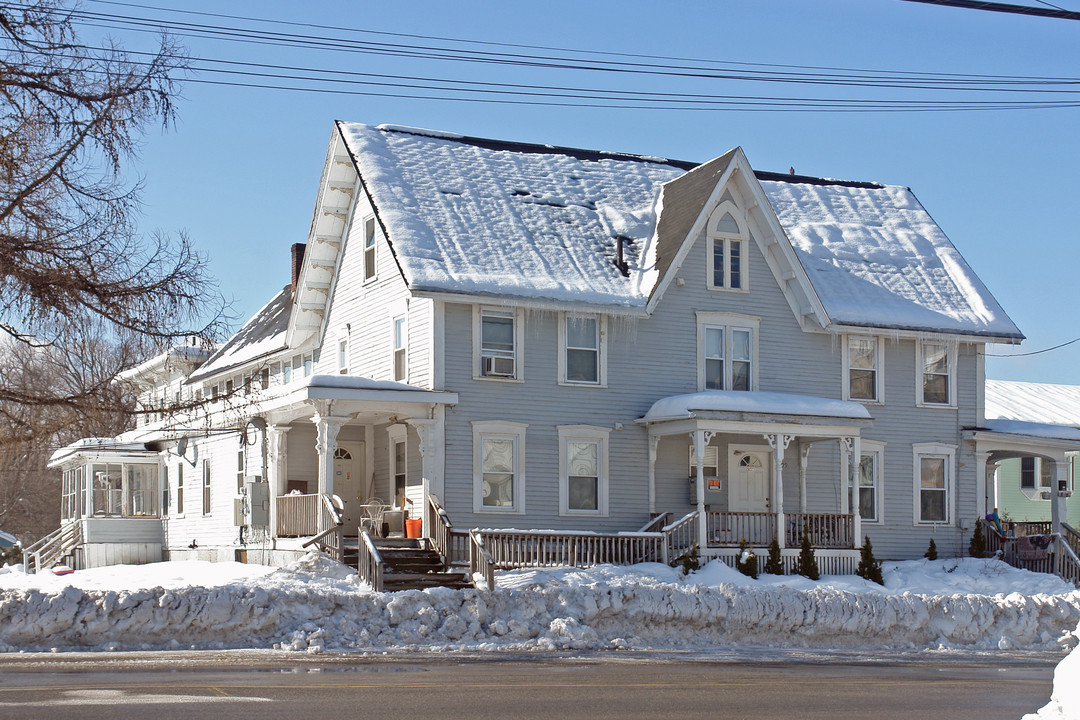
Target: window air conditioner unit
column 498, row 366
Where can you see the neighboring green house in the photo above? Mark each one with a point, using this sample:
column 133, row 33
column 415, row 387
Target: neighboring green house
column 1022, row 484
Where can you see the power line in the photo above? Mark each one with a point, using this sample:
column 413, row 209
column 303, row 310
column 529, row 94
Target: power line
column 1051, row 12
column 1035, row 352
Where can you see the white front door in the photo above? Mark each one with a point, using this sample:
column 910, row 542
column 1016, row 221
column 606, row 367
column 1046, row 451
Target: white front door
column 748, row 489
column 349, row 481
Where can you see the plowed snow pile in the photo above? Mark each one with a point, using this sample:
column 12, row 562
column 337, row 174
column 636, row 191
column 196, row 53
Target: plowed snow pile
column 316, row 604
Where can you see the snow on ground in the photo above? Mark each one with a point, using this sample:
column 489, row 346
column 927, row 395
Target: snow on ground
column 315, row 604
column 1065, row 700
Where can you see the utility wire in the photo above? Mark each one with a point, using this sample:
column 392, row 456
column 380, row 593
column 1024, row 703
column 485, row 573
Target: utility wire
column 1035, row 352
column 1056, row 13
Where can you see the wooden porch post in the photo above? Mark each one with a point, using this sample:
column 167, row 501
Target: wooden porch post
column 1058, row 509
column 276, row 468
column 429, row 432
column 654, row 442
column 699, row 465
column 856, row 509
column 328, row 427
column 981, row 459
column 804, row 462
column 779, row 444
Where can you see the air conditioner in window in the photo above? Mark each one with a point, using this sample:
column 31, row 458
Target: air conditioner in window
column 497, row 366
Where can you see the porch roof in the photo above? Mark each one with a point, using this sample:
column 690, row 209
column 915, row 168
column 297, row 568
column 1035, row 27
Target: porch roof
column 755, row 411
column 114, row 448
column 999, row 434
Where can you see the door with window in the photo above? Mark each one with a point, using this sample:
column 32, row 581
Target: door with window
column 349, row 482
column 748, row 470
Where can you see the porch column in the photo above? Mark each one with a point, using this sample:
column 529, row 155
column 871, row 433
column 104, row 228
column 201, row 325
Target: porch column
column 778, row 443
column 276, row 468
column 804, row 462
column 700, row 441
column 327, row 427
column 1058, row 510
column 981, row 459
column 856, row 509
column 654, row 442
column 430, row 432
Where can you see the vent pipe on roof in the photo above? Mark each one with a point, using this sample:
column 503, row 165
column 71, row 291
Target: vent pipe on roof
column 297, row 253
column 620, row 261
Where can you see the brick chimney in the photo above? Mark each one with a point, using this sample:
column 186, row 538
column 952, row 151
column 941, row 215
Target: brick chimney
column 297, row 253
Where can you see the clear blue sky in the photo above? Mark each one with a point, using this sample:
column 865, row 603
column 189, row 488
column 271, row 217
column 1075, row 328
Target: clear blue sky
column 239, row 171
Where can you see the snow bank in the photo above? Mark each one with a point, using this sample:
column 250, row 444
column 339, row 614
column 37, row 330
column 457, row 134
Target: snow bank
column 1065, row 701
column 316, row 604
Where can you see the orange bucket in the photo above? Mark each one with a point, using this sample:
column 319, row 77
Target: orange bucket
column 413, row 528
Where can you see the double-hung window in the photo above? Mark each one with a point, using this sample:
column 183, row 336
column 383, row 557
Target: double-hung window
column 498, row 467
column 937, row 378
column 343, row 357
column 401, row 340
column 1036, row 475
column 582, row 340
column 370, row 270
column 864, row 368
column 727, row 248
column 179, row 488
column 727, row 348
column 166, row 500
column 583, row 475
column 867, row 479
column 933, row 466
column 399, row 469
column 206, row 487
column 497, row 343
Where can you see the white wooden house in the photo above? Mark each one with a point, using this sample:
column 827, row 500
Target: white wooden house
column 559, row 340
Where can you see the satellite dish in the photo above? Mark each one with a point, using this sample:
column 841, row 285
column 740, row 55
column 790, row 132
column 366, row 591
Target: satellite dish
column 181, row 447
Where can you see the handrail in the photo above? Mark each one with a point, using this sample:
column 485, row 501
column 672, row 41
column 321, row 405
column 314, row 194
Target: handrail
column 680, row 536
column 1066, row 562
column 557, row 548
column 1061, row 558
column 480, row 560
column 657, row 523
column 46, row 551
column 439, row 529
column 1072, row 537
column 369, row 562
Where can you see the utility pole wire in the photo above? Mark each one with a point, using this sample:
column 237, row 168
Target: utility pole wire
column 1004, row 8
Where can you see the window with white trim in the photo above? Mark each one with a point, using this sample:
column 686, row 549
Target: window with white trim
column 343, row 357
column 370, row 269
column 179, row 488
column 727, row 250
column 937, row 374
column 583, row 470
column 582, row 349
column 399, row 467
column 401, row 337
column 166, row 499
column 206, row 507
column 1036, row 476
column 498, row 467
column 497, row 343
column 862, row 362
column 869, row 475
column 308, row 364
column 727, row 351
column 934, row 483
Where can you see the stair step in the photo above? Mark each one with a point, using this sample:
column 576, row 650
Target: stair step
column 418, row 581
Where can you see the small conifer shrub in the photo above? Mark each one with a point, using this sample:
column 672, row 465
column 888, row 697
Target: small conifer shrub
column 691, row 560
column 746, row 563
column 931, row 552
column 807, row 564
column 869, row 567
column 773, row 564
column 977, row 546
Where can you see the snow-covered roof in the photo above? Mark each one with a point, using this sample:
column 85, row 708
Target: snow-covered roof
column 1033, row 402
column 189, row 354
column 491, row 218
column 98, row 445
column 1033, row 429
column 352, row 382
column 764, row 403
column 262, row 335
column 876, row 258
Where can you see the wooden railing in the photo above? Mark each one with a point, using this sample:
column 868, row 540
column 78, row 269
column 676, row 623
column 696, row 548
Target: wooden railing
column 657, row 523
column 680, row 536
column 552, row 548
column 729, row 528
column 439, row 530
column 1028, row 527
column 459, row 546
column 825, row 530
column 331, row 538
column 298, row 515
column 1071, row 537
column 51, row 548
column 369, row 562
column 480, row 560
column 1059, row 559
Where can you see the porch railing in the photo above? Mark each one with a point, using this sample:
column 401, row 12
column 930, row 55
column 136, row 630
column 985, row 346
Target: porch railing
column 680, row 536
column 729, row 528
column 1071, row 537
column 657, row 523
column 369, row 562
column 480, row 560
column 48, row 550
column 298, row 515
column 439, row 530
column 825, row 530
column 331, row 538
column 1058, row 559
column 546, row 548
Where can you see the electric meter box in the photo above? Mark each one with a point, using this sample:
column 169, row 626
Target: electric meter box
column 258, row 495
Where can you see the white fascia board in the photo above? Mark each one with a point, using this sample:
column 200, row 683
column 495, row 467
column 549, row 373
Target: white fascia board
column 680, row 426
column 970, row 338
column 528, row 303
column 990, row 440
column 423, row 397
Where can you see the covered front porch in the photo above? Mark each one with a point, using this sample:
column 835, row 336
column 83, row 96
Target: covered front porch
column 761, row 466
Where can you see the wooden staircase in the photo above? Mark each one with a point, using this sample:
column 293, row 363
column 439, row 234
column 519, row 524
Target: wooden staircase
column 409, row 564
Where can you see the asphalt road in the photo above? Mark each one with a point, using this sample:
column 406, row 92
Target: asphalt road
column 268, row 686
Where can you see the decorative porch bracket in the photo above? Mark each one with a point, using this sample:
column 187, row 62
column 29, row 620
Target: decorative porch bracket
column 327, row 427
column 701, row 438
column 779, row 443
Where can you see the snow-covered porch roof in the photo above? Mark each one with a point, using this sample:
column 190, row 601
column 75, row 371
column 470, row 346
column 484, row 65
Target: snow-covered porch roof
column 111, row 449
column 740, row 412
column 1003, row 438
column 362, row 399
